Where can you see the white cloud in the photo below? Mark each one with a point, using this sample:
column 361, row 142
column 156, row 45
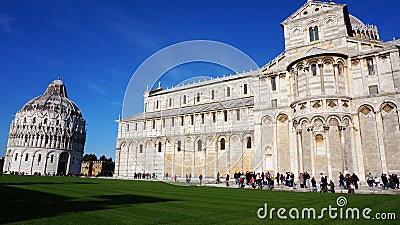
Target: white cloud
column 97, row 88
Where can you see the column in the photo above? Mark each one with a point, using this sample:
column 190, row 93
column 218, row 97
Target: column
column 293, row 150
column 344, row 153
column 336, row 77
column 328, row 152
column 194, row 157
column 379, row 130
column 321, row 72
column 358, row 148
column 299, row 149
column 173, row 162
column 312, row 143
column 293, row 83
column 306, row 72
column 274, row 147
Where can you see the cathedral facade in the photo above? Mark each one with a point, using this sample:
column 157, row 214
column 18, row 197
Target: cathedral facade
column 327, row 104
column 47, row 135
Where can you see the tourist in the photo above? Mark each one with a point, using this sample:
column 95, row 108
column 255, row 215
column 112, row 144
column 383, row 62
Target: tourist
column 301, row 180
column 241, row 181
column 341, row 179
column 217, row 181
column 332, row 186
column 370, row 179
column 235, row 176
column 377, row 181
column 324, row 184
column 351, row 188
column 307, row 179
column 175, row 178
column 292, row 180
column 282, row 179
column 227, row 180
column 313, row 185
column 252, row 183
column 347, row 180
column 385, row 181
column 258, row 179
column 354, row 179
column 200, row 178
column 277, row 178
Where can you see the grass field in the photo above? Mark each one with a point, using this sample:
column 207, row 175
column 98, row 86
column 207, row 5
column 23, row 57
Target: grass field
column 71, row 200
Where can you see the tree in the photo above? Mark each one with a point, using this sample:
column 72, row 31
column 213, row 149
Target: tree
column 103, row 158
column 89, row 157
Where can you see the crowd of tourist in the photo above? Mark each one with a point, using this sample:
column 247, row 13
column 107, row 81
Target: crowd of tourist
column 144, row 176
column 349, row 182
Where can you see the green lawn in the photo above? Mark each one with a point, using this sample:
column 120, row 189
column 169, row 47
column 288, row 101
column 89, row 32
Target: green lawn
column 71, row 200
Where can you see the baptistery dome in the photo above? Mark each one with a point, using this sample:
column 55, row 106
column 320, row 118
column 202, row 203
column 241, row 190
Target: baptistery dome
column 47, row 135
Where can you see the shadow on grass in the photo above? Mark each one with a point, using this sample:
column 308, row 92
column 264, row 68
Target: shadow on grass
column 43, row 183
column 20, row 204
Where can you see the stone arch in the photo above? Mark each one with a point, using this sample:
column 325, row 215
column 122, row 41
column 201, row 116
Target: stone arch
column 327, row 60
column 248, row 141
column 124, row 146
column 295, row 123
column 387, row 106
column 266, row 119
column 347, row 121
column 141, row 149
column 282, row 118
column 365, row 109
column 303, row 122
column 318, row 119
column 333, row 120
column 312, row 61
column 62, row 164
column 300, row 66
column 235, row 137
column 220, row 138
column 149, row 143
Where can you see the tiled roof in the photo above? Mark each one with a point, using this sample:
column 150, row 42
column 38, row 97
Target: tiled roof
column 236, row 103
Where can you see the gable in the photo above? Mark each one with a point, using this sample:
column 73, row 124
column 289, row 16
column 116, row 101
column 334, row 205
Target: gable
column 312, row 8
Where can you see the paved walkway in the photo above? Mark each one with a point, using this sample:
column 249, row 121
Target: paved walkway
column 360, row 190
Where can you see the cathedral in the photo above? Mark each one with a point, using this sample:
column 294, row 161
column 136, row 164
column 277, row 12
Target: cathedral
column 47, row 136
column 327, row 104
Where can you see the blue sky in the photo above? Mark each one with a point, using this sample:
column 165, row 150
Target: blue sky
column 96, row 46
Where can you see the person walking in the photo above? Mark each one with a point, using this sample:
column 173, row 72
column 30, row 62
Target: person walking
column 200, row 178
column 227, row 180
column 341, row 179
column 354, row 179
column 332, row 185
column 313, row 185
column 301, row 180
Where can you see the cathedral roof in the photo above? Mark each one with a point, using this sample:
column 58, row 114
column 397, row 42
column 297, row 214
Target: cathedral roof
column 54, row 99
column 355, row 21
